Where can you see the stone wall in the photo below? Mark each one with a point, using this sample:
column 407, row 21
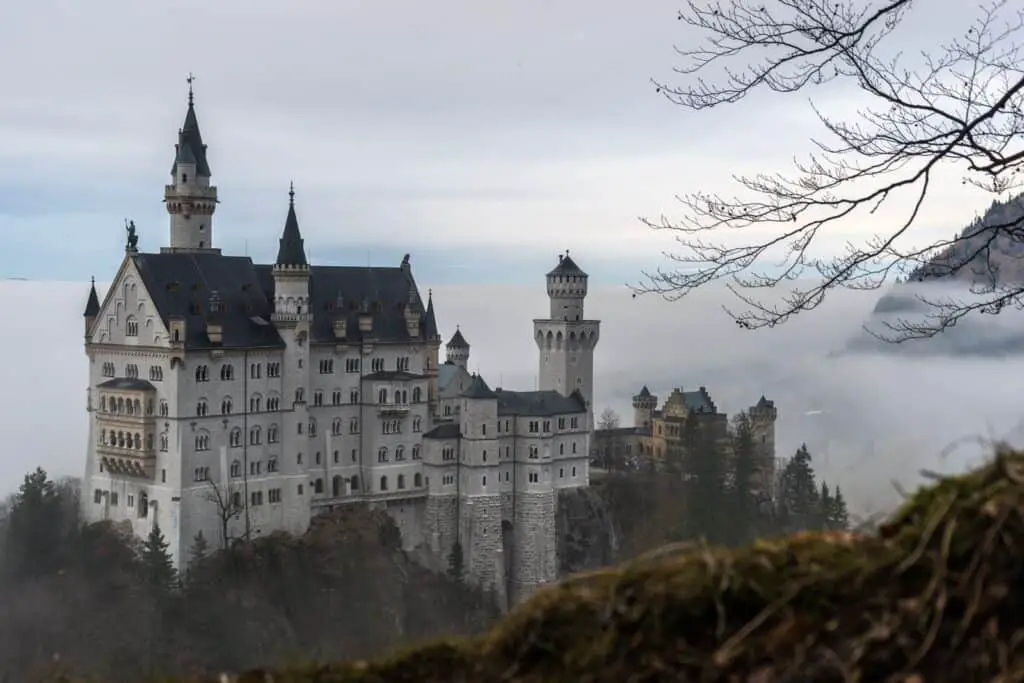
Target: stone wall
column 481, row 543
column 586, row 533
column 439, row 525
column 535, row 562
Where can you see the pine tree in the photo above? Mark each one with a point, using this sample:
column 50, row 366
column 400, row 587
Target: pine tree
column 157, row 567
column 704, row 484
column 839, row 516
column 456, row 563
column 825, row 507
column 199, row 550
column 799, row 497
column 35, row 533
column 743, row 499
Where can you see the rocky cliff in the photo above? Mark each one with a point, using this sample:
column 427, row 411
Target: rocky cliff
column 587, row 535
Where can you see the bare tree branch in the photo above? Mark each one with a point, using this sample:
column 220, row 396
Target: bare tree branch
column 960, row 108
column 228, row 507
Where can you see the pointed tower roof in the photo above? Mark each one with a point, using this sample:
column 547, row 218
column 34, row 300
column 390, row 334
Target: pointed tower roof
column 190, row 148
column 457, row 341
column 478, row 389
column 645, row 392
column 92, row 306
column 291, row 251
column 566, row 266
column 430, row 322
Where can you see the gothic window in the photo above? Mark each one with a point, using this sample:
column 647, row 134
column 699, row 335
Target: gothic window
column 236, row 468
column 335, row 457
column 384, row 483
column 271, row 465
column 399, row 453
column 316, row 458
column 312, row 427
column 318, row 398
column 128, row 406
column 336, row 397
column 225, row 406
column 108, row 370
column 561, row 449
column 336, row 486
column 401, row 481
column 573, row 446
column 163, row 443
column 235, row 437
column 377, row 365
column 351, row 365
column 326, row 366
column 273, row 403
column 416, row 452
column 138, row 442
column 382, row 396
column 201, row 474
column 273, row 369
column 201, row 408
column 227, row 372
column 336, row 426
column 417, row 395
column 103, row 404
column 447, row 410
column 298, row 459
column 300, row 395
column 353, row 426
column 417, row 480
column 131, row 371
column 156, row 373
column 402, row 364
column 483, row 481
column 143, row 504
column 131, row 327
column 254, row 435
column 533, row 477
column 255, row 403
column 272, row 434
column 164, row 410
column 382, row 454
column 318, row 486
column 202, row 441
column 255, row 370
column 354, row 482
column 274, row 495
column 353, row 396
column 203, row 373
column 534, row 454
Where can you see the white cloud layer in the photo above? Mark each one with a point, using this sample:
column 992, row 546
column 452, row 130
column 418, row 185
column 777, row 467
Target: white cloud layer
column 884, row 418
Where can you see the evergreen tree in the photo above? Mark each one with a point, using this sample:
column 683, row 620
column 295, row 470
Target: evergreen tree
column 157, row 567
column 456, row 563
column 704, row 484
column 838, row 516
column 825, row 506
column 742, row 507
column 799, row 498
column 199, row 550
column 36, row 534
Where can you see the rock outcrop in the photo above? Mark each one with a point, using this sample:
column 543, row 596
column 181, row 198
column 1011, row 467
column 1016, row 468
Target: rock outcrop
column 935, row 595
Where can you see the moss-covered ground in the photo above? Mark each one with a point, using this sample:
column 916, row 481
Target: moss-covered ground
column 937, row 594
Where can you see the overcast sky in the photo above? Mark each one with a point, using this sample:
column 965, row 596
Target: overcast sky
column 481, row 137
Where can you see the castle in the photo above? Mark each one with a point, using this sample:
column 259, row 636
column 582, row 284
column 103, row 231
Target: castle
column 234, row 399
column 657, row 432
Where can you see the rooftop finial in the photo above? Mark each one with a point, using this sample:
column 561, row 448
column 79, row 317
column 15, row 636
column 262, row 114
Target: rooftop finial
column 190, row 80
column 291, row 194
column 93, row 279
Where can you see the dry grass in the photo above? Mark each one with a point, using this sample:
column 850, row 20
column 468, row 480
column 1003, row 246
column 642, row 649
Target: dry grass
column 936, row 595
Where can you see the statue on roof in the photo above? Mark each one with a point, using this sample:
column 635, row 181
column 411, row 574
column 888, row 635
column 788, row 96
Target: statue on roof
column 133, row 237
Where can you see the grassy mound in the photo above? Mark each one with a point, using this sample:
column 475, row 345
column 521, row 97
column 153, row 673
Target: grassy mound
column 931, row 597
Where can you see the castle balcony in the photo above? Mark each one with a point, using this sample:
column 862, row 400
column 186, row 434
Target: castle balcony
column 137, row 464
column 393, row 408
column 209, row 193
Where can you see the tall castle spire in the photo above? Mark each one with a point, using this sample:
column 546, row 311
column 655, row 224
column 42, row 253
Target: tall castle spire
column 190, row 198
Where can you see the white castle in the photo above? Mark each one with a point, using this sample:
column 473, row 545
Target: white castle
column 236, row 399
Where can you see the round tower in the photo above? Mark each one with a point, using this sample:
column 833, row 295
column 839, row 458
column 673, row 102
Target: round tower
column 457, row 349
column 190, row 199
column 567, row 290
column 644, row 405
column 762, row 423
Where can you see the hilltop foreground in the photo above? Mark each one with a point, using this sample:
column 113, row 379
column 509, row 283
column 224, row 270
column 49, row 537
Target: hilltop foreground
column 936, row 595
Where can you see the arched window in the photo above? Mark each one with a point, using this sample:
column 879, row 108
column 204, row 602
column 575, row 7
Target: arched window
column 312, row 427
column 227, row 372
column 416, row 424
column 300, row 395
column 382, row 454
column 336, row 486
column 236, row 468
column 417, row 480
column 235, row 438
column 254, row 435
column 202, row 373
column 318, row 486
column 164, row 410
column 355, row 482
column 382, row 396
column 201, row 408
column 384, row 483
column 131, row 327
column 417, row 395
column 272, row 465
column 401, row 481
column 336, row 426
column 272, row 434
column 225, row 406
column 416, row 452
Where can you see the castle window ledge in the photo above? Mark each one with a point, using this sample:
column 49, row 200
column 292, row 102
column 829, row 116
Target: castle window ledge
column 393, row 408
column 129, row 465
column 402, row 494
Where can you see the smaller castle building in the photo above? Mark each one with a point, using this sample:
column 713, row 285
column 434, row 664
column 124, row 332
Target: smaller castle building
column 659, row 431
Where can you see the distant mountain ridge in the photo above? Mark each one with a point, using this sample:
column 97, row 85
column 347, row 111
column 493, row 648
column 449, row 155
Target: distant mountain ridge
column 970, row 260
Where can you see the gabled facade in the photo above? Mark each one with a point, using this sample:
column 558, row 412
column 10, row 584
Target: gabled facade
column 233, row 399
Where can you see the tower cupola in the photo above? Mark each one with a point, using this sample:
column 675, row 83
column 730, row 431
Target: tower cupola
column 190, row 199
column 458, row 349
column 291, row 270
column 567, row 289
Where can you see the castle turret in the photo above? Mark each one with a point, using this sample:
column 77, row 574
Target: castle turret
column 92, row 309
column 644, row 405
column 566, row 340
column 457, row 349
column 291, row 270
column 763, row 416
column 190, row 198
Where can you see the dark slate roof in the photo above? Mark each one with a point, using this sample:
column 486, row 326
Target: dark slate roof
column 341, row 292
column 128, row 384
column 645, row 392
column 764, row 403
column 457, row 341
column 92, row 306
column 181, row 284
column 400, row 375
column 291, row 251
column 539, row 403
column 190, row 148
column 478, row 389
column 430, row 320
column 698, row 401
column 614, row 432
column 566, row 266
column 445, row 430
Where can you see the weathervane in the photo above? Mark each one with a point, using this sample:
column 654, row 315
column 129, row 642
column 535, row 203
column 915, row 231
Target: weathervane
column 190, row 80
